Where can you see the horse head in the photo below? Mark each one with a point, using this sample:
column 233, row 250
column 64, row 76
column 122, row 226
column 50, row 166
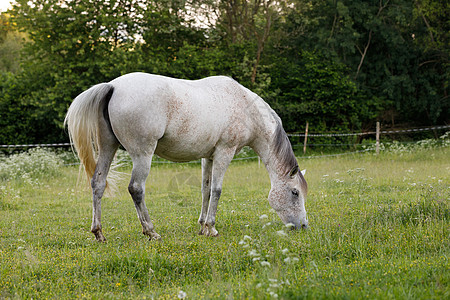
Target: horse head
column 287, row 197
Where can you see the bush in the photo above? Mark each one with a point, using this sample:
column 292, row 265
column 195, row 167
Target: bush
column 400, row 148
column 35, row 163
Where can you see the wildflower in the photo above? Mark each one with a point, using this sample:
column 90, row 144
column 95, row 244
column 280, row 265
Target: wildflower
column 266, row 225
column 287, row 260
column 285, row 251
column 253, row 252
column 263, row 216
column 181, row 295
column 246, row 237
column 265, row 264
column 258, row 285
column 281, row 233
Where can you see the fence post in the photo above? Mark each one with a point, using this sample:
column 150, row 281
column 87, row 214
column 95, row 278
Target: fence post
column 378, row 138
column 306, row 138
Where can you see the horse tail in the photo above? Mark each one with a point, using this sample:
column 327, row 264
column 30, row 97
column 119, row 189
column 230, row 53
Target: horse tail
column 82, row 120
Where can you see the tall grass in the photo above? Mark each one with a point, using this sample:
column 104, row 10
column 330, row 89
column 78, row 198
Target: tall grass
column 379, row 229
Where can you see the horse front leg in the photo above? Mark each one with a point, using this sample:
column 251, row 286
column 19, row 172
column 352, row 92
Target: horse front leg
column 141, row 169
column 221, row 162
column 206, row 193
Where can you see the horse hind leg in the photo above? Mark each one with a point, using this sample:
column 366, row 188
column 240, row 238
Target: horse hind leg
column 141, row 169
column 98, row 184
column 206, row 193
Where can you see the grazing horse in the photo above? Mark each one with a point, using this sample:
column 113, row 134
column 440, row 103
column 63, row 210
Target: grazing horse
column 182, row 120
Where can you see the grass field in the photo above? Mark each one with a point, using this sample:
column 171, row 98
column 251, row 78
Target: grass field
column 379, row 229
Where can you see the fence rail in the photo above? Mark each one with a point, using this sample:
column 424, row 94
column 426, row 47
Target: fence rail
column 367, row 132
column 306, row 135
column 36, row 145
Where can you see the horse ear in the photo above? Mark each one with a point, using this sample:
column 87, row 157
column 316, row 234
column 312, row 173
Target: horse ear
column 293, row 172
column 304, row 172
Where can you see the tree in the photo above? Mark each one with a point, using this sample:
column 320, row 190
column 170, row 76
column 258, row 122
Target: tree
column 71, row 45
column 313, row 90
column 250, row 22
column 377, row 41
column 10, row 45
column 340, row 64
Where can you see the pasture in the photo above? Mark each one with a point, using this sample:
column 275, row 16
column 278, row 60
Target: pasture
column 379, row 229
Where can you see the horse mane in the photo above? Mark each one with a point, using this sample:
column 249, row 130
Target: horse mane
column 282, row 149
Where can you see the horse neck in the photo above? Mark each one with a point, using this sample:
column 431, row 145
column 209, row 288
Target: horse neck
column 263, row 144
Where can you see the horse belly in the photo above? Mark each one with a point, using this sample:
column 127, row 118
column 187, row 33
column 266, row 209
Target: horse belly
column 182, row 149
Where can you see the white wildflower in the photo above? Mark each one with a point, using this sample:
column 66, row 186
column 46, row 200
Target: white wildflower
column 182, row 295
column 281, row 233
column 266, row 225
column 263, row 216
column 246, row 237
column 265, row 264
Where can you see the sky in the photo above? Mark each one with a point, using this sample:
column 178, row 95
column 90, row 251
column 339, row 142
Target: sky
column 4, row 4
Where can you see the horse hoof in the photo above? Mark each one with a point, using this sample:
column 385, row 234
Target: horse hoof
column 99, row 236
column 212, row 232
column 154, row 237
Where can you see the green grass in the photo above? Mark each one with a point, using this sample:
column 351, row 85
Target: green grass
column 379, row 229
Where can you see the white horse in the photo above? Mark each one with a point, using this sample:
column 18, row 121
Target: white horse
column 182, row 120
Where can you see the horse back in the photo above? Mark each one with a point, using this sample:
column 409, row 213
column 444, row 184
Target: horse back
column 189, row 119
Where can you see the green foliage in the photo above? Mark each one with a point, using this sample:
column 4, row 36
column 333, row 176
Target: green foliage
column 313, row 89
column 382, row 43
column 10, row 45
column 338, row 64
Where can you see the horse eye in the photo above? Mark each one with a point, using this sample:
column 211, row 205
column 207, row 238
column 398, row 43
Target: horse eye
column 295, row 192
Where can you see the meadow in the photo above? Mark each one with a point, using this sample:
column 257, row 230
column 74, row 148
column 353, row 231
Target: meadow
column 379, row 229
